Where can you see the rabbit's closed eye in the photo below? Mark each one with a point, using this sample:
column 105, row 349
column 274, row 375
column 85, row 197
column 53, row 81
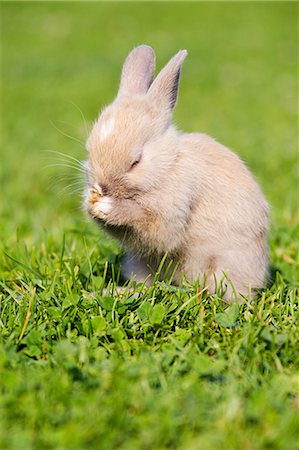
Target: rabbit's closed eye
column 135, row 163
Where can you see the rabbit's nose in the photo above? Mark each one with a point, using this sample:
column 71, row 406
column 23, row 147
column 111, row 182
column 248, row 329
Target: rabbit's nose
column 104, row 190
column 101, row 189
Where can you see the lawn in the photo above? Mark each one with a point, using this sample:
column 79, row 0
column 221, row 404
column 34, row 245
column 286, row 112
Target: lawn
column 82, row 368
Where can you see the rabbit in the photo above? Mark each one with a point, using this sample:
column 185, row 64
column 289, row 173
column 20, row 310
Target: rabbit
column 160, row 191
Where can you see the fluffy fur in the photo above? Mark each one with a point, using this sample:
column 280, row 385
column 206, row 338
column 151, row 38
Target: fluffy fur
column 159, row 190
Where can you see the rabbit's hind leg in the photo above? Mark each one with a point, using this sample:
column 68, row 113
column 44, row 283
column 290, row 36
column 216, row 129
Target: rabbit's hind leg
column 138, row 268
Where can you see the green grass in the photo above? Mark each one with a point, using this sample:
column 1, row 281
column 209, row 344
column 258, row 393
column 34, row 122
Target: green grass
column 80, row 369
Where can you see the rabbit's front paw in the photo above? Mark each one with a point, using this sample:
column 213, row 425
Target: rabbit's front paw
column 98, row 206
column 103, row 207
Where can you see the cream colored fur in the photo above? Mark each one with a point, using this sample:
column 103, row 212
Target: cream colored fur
column 158, row 190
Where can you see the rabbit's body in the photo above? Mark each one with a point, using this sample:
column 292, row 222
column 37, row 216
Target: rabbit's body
column 188, row 195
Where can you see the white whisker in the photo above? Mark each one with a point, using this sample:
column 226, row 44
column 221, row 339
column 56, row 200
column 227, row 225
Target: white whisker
column 83, row 117
column 79, row 169
column 65, row 155
column 78, row 141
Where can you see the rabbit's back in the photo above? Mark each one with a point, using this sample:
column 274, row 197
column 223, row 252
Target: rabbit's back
column 228, row 225
column 223, row 184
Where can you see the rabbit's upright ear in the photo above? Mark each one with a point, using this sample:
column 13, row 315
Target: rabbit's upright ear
column 138, row 71
column 165, row 87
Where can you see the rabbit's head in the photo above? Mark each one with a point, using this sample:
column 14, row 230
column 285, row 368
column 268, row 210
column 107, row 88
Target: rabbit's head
column 132, row 144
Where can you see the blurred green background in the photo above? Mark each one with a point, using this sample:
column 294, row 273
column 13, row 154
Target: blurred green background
column 80, row 375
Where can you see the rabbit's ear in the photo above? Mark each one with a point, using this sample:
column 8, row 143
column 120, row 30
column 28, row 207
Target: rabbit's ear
column 165, row 87
column 138, row 71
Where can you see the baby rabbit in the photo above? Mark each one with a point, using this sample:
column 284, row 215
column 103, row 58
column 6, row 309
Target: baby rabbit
column 159, row 190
